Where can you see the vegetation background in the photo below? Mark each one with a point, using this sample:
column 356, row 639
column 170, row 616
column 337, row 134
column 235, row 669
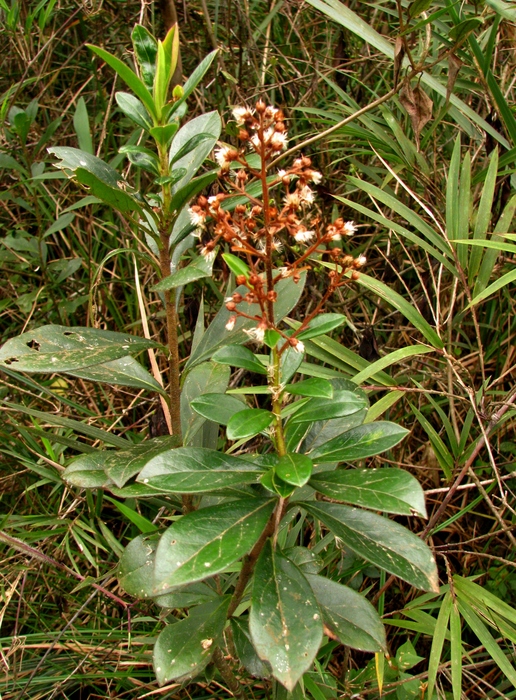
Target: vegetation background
column 419, row 164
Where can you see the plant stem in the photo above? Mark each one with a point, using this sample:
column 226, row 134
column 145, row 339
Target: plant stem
column 228, row 675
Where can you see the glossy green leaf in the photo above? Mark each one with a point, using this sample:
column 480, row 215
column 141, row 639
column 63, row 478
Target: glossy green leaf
column 360, row 442
column 186, row 596
column 164, row 134
column 349, row 615
column 305, row 559
column 188, row 191
column 119, row 465
column 197, row 469
column 285, row 620
column 114, row 196
column 290, row 362
column 273, row 483
column 382, row 542
column 128, row 76
column 245, row 650
column 208, row 124
column 183, row 649
column 74, row 158
column 190, row 145
column 387, row 490
column 145, row 49
column 239, row 356
column 319, row 388
column 196, row 270
column 249, row 422
column 271, row 338
column 236, row 265
column 203, row 543
column 294, row 468
column 142, row 158
column 389, row 360
column 63, row 348
column 195, row 78
column 321, row 324
column 343, row 403
column 217, row 407
column 89, row 474
column 132, row 107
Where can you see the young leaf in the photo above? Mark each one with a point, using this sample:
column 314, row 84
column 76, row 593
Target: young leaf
column 195, row 78
column 249, row 422
column 128, row 76
column 61, row 348
column 217, row 407
column 239, row 356
column 319, row 388
column 197, row 469
column 145, row 49
column 133, row 108
column 203, row 543
column 294, row 468
column 164, row 134
column 285, row 620
column 360, row 442
column 236, row 265
column 321, row 324
column 183, row 649
column 387, row 490
column 384, row 543
column 349, row 615
column 343, row 403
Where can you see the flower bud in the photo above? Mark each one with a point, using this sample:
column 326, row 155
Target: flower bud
column 261, row 106
column 241, row 279
column 230, row 305
column 355, row 275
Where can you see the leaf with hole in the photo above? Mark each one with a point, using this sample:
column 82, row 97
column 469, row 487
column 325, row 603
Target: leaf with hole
column 184, row 648
column 248, row 423
column 285, row 620
column 388, row 490
column 197, row 469
column 63, row 348
column 203, row 543
column 382, row 542
column 363, row 441
column 348, row 615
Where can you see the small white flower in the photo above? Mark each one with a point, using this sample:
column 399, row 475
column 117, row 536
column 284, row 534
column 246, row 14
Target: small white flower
column 303, row 236
column 277, row 245
column 255, row 141
column 333, row 234
column 208, row 254
column 292, row 199
column 212, row 199
column 282, row 173
column 306, row 195
column 298, row 162
column 361, row 260
column 197, row 233
column 349, row 228
column 221, row 156
column 257, row 333
column 316, row 177
column 299, row 346
column 241, row 114
column 279, row 140
column 231, row 323
column 271, row 111
column 198, row 218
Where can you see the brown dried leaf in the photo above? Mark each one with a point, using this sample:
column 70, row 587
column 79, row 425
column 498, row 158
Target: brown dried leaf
column 399, row 54
column 454, row 66
column 419, row 107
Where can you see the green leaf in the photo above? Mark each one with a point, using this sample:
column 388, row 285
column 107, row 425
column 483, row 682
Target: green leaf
column 164, row 134
column 203, row 378
column 128, row 76
column 81, row 125
column 183, row 649
column 294, row 468
column 305, row 559
column 461, row 30
column 438, row 641
column 203, row 543
column 191, row 145
column 141, row 157
column 387, row 490
column 390, row 359
column 418, row 6
column 245, row 650
column 197, row 469
column 321, row 324
column 349, row 615
column 114, row 196
column 191, row 189
column 145, row 526
column 239, row 356
column 384, row 543
column 208, row 124
column 134, row 109
column 195, row 78
column 186, row 596
column 343, row 403
column 273, row 483
column 285, row 620
column 145, row 49
column 62, row 348
column 236, row 265
column 360, row 442
column 493, row 288
column 135, row 572
column 271, row 338
column 196, row 270
column 118, row 465
column 320, row 388
column 89, row 474
column 217, row 407
column 125, row 371
column 249, row 422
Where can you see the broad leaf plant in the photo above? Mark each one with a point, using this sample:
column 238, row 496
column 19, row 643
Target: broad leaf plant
column 246, row 571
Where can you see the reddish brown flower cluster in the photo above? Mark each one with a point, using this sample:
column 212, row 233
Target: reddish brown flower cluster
column 273, row 226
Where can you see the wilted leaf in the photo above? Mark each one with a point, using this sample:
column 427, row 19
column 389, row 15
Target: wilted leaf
column 418, row 105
